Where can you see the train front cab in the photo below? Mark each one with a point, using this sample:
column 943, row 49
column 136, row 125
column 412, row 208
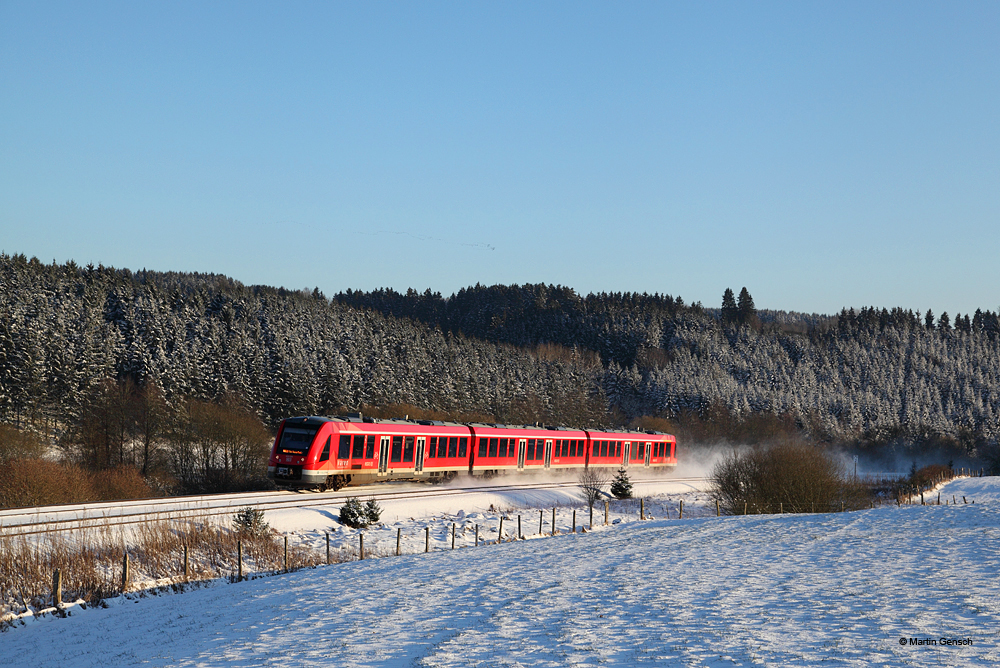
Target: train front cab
column 295, row 453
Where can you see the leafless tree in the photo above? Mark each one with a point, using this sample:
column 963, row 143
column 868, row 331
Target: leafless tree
column 592, row 482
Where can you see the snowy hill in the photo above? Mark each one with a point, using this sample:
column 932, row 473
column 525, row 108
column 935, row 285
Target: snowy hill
column 840, row 589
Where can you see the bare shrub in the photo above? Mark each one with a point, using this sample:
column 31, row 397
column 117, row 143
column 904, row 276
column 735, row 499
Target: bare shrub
column 39, row 482
column 928, row 476
column 122, row 482
column 592, row 483
column 793, row 477
column 17, row 444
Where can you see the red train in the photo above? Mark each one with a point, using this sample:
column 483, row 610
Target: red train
column 328, row 453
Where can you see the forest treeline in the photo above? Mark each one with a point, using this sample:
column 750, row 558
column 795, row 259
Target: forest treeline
column 873, row 379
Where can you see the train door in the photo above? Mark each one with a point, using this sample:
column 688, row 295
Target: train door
column 548, row 454
column 418, row 462
column 649, row 451
column 521, row 444
column 383, row 456
column 626, row 453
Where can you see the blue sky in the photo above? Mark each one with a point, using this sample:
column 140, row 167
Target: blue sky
column 821, row 154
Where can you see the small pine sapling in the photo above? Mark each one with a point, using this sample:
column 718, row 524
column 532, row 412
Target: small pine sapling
column 353, row 514
column 249, row 523
column 621, row 486
column 373, row 511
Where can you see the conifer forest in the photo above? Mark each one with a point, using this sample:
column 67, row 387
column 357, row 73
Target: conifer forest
column 873, row 380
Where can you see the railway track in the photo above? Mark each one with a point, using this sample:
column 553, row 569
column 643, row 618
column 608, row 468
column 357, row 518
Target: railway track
column 54, row 519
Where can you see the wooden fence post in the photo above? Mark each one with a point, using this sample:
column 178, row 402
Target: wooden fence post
column 744, row 507
column 680, row 510
column 540, row 514
column 124, row 572
column 574, row 520
column 453, row 535
column 57, row 589
column 361, row 548
column 718, row 511
column 427, row 540
column 642, row 509
column 399, row 539
column 519, row 534
column 239, row 561
column 286, row 554
column 327, row 549
column 500, row 531
column 554, row 521
column 186, row 572
column 477, row 535
column 606, row 504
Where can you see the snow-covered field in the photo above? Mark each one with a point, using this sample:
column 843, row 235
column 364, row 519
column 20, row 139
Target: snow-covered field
column 839, row 589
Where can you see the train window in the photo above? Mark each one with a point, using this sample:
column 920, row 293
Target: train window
column 572, row 448
column 296, row 441
column 642, row 451
column 462, row 442
column 358, row 451
column 529, row 450
column 578, row 448
column 370, row 448
column 604, row 449
column 408, row 449
column 433, row 449
column 397, row 449
column 344, row 451
column 453, row 447
column 482, row 446
column 325, row 455
column 503, row 448
column 493, row 447
column 618, row 448
column 597, row 449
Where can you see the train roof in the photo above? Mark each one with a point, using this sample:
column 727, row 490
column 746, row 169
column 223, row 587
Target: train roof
column 358, row 418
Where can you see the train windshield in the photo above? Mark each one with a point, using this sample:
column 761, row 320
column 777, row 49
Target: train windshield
column 296, row 440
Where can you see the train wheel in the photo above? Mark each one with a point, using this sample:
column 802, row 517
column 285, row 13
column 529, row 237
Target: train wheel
column 337, row 482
